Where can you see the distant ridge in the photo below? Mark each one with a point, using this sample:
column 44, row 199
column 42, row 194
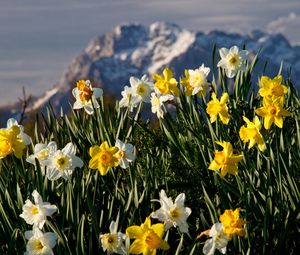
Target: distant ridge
column 133, row 49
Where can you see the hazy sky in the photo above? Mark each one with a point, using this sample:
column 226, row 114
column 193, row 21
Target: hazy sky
column 39, row 38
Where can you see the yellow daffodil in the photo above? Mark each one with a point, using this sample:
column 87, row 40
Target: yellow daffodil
column 272, row 88
column 11, row 142
column 272, row 112
column 103, row 157
column 232, row 223
column 165, row 83
column 216, row 107
column 185, row 82
column 252, row 134
column 147, row 238
column 225, row 160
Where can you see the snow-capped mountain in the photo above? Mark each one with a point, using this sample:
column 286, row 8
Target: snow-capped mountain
column 134, row 49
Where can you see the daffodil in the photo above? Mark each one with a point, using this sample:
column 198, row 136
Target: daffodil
column 86, row 96
column 272, row 112
column 225, row 160
column 62, row 163
column 148, row 238
column 198, row 80
column 25, row 138
column 217, row 108
column 41, row 153
column 232, row 223
column 36, row 214
column 10, row 142
column 172, row 214
column 272, row 88
column 128, row 99
column 13, row 140
column 252, row 134
column 165, row 83
column 217, row 241
column 125, row 153
column 185, row 82
column 157, row 102
column 141, row 88
column 103, row 157
column 40, row 243
column 113, row 242
column 232, row 60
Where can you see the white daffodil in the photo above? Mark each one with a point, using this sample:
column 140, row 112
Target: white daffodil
column 25, row 138
column 40, row 243
column 233, row 60
column 86, row 96
column 113, row 242
column 128, row 99
column 218, row 240
column 62, row 163
column 36, row 214
column 198, row 79
column 141, row 88
column 125, row 154
column 157, row 101
column 172, row 214
column 41, row 153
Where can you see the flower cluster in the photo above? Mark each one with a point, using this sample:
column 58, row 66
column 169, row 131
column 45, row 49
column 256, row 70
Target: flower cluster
column 222, row 232
column 36, row 214
column 273, row 93
column 104, row 157
column 56, row 163
column 148, row 237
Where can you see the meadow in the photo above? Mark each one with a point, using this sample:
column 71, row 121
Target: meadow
column 211, row 168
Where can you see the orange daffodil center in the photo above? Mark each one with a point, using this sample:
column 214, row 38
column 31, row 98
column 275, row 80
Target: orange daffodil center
column 85, row 91
column 217, row 108
column 165, row 83
column 225, row 160
column 103, row 157
column 86, row 96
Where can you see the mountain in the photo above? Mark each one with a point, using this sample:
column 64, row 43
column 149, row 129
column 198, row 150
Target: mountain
column 133, row 49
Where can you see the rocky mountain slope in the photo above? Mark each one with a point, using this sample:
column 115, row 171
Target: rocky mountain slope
column 134, row 49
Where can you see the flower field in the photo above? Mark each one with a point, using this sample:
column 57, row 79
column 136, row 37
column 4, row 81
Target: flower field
column 215, row 170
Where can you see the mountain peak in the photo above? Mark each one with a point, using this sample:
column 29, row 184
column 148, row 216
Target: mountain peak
column 132, row 49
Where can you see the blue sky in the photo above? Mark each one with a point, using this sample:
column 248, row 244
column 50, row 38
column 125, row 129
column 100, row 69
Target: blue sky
column 39, row 38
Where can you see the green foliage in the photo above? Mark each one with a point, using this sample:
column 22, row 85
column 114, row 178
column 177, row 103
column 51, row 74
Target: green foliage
column 175, row 156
